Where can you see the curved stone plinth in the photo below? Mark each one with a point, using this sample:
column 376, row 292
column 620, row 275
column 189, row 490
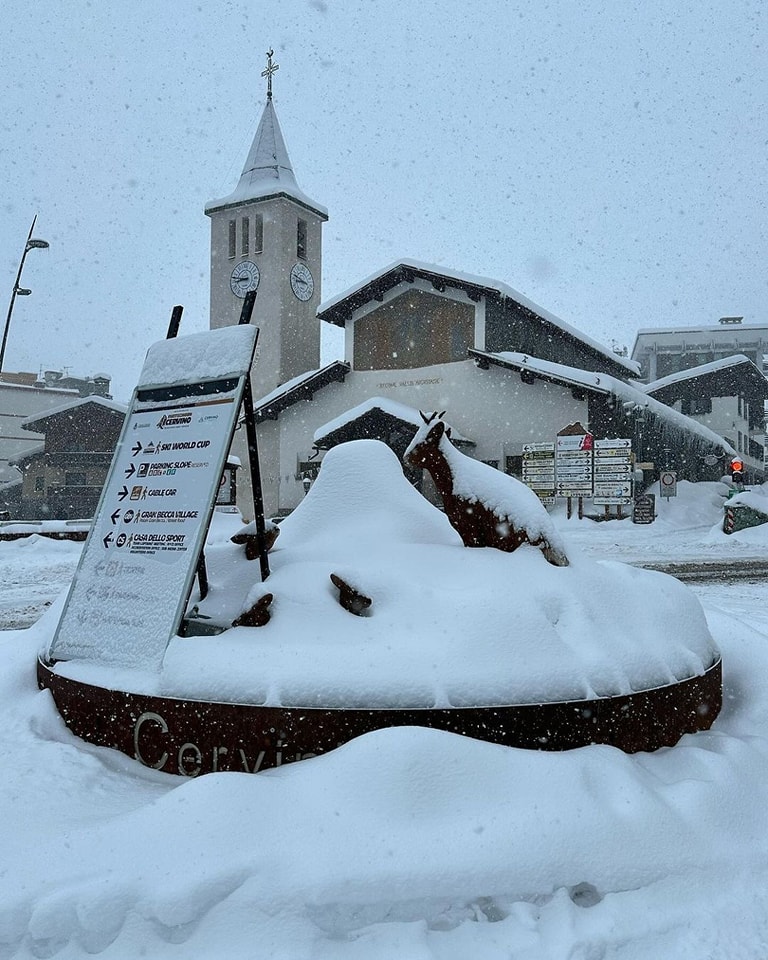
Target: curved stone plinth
column 190, row 737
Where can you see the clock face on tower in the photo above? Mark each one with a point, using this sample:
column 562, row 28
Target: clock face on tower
column 244, row 278
column 302, row 283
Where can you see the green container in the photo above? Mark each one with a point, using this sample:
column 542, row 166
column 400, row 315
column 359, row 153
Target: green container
column 739, row 517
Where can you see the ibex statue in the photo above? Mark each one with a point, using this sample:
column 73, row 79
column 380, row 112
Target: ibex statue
column 486, row 508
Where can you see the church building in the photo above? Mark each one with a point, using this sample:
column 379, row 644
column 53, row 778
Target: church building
column 417, row 338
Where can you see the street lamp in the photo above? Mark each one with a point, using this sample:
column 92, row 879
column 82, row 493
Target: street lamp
column 31, row 244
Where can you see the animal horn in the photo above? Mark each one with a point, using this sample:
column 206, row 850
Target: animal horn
column 424, row 416
column 441, row 415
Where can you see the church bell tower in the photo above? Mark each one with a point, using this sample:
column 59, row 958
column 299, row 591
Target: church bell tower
column 267, row 235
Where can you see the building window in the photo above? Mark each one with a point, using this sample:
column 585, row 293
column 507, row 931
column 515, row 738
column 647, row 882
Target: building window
column 232, row 239
column 39, row 484
column 301, row 239
column 258, row 233
column 245, row 239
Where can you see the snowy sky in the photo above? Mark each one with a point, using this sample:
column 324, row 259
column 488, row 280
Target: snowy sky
column 606, row 159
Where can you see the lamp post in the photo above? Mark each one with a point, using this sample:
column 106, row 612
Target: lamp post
column 31, row 244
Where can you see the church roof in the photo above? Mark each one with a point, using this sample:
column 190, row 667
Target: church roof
column 602, row 383
column 339, row 309
column 372, row 417
column 267, row 172
column 302, row 387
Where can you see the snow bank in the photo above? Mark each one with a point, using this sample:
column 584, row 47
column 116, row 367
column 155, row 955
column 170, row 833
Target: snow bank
column 405, row 843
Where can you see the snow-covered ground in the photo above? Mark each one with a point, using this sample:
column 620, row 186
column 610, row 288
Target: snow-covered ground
column 405, row 844
column 33, row 572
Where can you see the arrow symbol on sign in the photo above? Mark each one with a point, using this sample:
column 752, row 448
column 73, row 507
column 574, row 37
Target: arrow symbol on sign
column 136, row 448
column 115, row 516
column 107, row 540
column 130, row 470
column 122, row 494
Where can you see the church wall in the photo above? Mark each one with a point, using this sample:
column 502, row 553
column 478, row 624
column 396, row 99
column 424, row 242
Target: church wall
column 493, row 407
column 412, row 329
column 268, row 439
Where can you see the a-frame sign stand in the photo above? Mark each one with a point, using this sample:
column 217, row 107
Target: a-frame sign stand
column 145, row 547
column 254, row 465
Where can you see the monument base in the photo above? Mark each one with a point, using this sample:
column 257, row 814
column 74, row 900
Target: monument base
column 192, row 737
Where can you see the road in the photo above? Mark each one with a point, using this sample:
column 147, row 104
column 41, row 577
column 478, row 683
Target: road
column 751, row 570
column 33, row 572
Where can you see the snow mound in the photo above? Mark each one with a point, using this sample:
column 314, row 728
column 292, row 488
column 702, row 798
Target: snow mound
column 447, row 626
column 361, row 496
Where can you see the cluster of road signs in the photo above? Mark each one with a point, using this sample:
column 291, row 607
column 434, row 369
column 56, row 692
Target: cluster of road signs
column 577, row 465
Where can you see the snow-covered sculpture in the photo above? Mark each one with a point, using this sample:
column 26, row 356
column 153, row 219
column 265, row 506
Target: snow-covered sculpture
column 248, row 537
column 487, row 508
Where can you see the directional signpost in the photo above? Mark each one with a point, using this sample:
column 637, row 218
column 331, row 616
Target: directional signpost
column 539, row 469
column 573, row 465
column 613, row 472
column 138, row 564
column 577, row 465
column 573, row 462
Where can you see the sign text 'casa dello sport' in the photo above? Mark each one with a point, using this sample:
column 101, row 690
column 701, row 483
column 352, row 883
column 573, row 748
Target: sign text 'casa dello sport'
column 138, row 564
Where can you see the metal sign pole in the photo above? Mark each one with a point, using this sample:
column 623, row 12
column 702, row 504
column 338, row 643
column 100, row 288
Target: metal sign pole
column 253, row 450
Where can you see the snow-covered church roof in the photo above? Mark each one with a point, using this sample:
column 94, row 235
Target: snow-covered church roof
column 267, row 172
column 603, row 383
column 338, row 309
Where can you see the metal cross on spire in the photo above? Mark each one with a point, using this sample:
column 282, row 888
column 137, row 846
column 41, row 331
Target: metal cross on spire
column 271, row 68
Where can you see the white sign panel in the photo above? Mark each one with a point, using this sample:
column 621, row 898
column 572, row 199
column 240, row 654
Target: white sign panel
column 613, row 471
column 539, row 468
column 668, row 483
column 139, row 561
column 573, row 464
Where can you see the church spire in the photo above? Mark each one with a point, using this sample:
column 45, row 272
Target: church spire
column 268, row 171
